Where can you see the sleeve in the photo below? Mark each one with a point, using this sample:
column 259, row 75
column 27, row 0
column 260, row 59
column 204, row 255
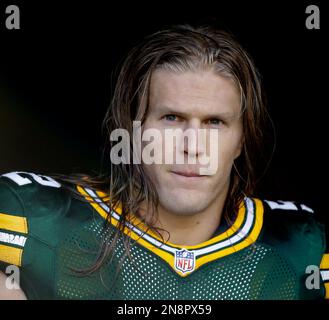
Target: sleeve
column 13, row 226
column 30, row 205
column 300, row 232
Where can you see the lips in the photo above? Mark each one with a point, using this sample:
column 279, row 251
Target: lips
column 188, row 174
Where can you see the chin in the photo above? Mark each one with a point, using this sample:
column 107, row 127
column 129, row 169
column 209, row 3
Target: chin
column 184, row 204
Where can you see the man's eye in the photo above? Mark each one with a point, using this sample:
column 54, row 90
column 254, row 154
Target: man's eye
column 171, row 117
column 215, row 122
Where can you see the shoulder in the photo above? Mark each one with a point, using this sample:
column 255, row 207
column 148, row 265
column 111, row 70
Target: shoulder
column 298, row 233
column 30, row 192
column 292, row 221
column 38, row 214
column 293, row 240
column 291, row 218
column 35, row 211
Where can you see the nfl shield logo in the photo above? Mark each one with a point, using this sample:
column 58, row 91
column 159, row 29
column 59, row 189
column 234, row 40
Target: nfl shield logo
column 184, row 260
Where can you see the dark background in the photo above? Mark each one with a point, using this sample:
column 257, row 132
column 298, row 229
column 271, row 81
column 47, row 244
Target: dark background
column 57, row 75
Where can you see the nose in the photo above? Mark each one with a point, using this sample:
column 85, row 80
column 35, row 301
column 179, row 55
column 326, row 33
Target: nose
column 194, row 139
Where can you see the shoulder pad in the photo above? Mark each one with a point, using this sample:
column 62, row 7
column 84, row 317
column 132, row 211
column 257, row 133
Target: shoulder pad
column 36, row 194
column 295, row 229
column 29, row 206
column 285, row 218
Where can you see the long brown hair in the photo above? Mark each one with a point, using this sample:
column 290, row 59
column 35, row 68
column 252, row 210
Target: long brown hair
column 178, row 48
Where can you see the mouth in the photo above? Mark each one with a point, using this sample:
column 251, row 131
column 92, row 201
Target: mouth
column 188, row 174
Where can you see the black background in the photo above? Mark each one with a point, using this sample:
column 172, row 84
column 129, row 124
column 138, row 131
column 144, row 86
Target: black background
column 57, row 75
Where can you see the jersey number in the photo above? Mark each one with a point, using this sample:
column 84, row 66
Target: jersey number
column 22, row 181
column 287, row 205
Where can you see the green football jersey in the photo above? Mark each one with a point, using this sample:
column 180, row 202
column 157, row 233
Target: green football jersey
column 267, row 252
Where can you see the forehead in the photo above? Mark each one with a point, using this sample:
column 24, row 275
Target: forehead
column 193, row 92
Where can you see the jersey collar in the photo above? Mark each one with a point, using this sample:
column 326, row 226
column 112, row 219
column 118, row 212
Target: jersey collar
column 186, row 259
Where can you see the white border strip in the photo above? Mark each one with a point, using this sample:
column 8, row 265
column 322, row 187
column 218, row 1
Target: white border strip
column 325, row 275
column 10, row 238
column 230, row 241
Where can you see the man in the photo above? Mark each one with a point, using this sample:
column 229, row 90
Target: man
column 167, row 229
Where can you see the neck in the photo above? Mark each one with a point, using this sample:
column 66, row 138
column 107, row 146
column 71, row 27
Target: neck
column 189, row 230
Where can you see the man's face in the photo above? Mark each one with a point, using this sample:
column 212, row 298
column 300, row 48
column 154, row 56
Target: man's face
column 193, row 100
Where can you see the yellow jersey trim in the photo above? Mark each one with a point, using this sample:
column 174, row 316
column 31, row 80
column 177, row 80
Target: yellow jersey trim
column 247, row 241
column 13, row 223
column 325, row 261
column 165, row 250
column 326, row 285
column 11, row 255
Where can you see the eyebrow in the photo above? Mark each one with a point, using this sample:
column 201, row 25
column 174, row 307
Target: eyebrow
column 168, row 110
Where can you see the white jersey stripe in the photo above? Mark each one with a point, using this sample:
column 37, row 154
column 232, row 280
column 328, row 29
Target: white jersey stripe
column 243, row 232
column 12, row 239
column 325, row 275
